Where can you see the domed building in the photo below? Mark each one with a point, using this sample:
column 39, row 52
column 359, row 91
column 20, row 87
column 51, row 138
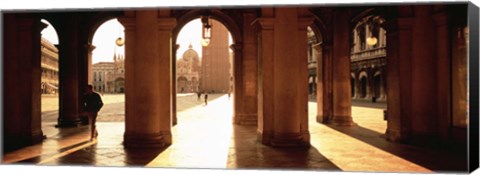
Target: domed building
column 188, row 71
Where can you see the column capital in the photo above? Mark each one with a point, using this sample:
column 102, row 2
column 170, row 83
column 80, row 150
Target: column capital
column 166, row 24
column 128, row 23
column 90, row 47
column 176, row 47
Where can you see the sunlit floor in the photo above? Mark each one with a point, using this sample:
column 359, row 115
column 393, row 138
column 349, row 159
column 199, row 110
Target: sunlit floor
column 205, row 138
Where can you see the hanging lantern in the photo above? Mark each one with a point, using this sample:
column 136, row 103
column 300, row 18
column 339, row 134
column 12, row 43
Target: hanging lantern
column 206, row 31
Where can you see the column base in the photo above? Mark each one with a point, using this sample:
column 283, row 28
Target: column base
column 397, row 135
column 14, row 142
column 322, row 119
column 263, row 138
column 342, row 121
column 245, row 119
column 156, row 140
column 174, row 120
column 68, row 123
column 290, row 140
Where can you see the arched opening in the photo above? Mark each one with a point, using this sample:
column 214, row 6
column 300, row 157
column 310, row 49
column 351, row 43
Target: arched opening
column 49, row 78
column 203, row 69
column 363, row 86
column 367, row 61
column 107, row 73
column 377, row 84
column 313, row 56
column 460, row 78
column 119, row 85
column 352, row 85
column 204, row 74
column 182, row 85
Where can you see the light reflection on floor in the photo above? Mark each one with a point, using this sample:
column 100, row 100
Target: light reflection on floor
column 205, row 138
column 201, row 138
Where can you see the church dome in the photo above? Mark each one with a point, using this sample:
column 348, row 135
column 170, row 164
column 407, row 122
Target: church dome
column 190, row 54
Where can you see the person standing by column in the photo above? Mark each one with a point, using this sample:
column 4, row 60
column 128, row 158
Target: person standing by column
column 92, row 104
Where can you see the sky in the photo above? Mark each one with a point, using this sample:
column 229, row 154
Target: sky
column 105, row 36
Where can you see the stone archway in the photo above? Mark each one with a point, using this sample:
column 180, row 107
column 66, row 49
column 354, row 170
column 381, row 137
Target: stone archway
column 237, row 48
column 363, row 80
column 182, row 85
column 120, row 85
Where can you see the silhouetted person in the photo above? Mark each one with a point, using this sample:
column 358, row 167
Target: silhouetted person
column 92, row 103
column 229, row 95
column 199, row 94
column 206, row 99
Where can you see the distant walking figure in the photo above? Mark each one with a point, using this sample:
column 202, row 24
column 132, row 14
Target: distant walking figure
column 229, row 95
column 92, row 104
column 206, row 99
column 199, row 94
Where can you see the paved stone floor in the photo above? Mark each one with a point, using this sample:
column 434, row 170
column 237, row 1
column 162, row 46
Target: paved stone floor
column 205, row 138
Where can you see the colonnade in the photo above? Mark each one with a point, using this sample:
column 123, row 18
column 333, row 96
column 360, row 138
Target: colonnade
column 270, row 72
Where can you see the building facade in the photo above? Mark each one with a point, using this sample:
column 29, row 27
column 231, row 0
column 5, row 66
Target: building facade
column 313, row 54
column 49, row 64
column 188, row 72
column 109, row 77
column 368, row 59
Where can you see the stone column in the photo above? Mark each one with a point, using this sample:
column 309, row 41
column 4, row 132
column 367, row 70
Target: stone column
column 129, row 23
column 241, row 115
column 302, row 91
column 148, row 79
column 317, row 53
column 399, row 31
column 283, row 76
column 89, row 48
column 443, row 75
column 424, row 95
column 69, row 74
column 265, row 79
column 174, row 84
column 326, row 99
column 245, row 74
column 342, row 100
column 22, row 81
column 166, row 80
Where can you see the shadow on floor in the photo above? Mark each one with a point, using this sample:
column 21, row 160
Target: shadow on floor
column 248, row 153
column 433, row 158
